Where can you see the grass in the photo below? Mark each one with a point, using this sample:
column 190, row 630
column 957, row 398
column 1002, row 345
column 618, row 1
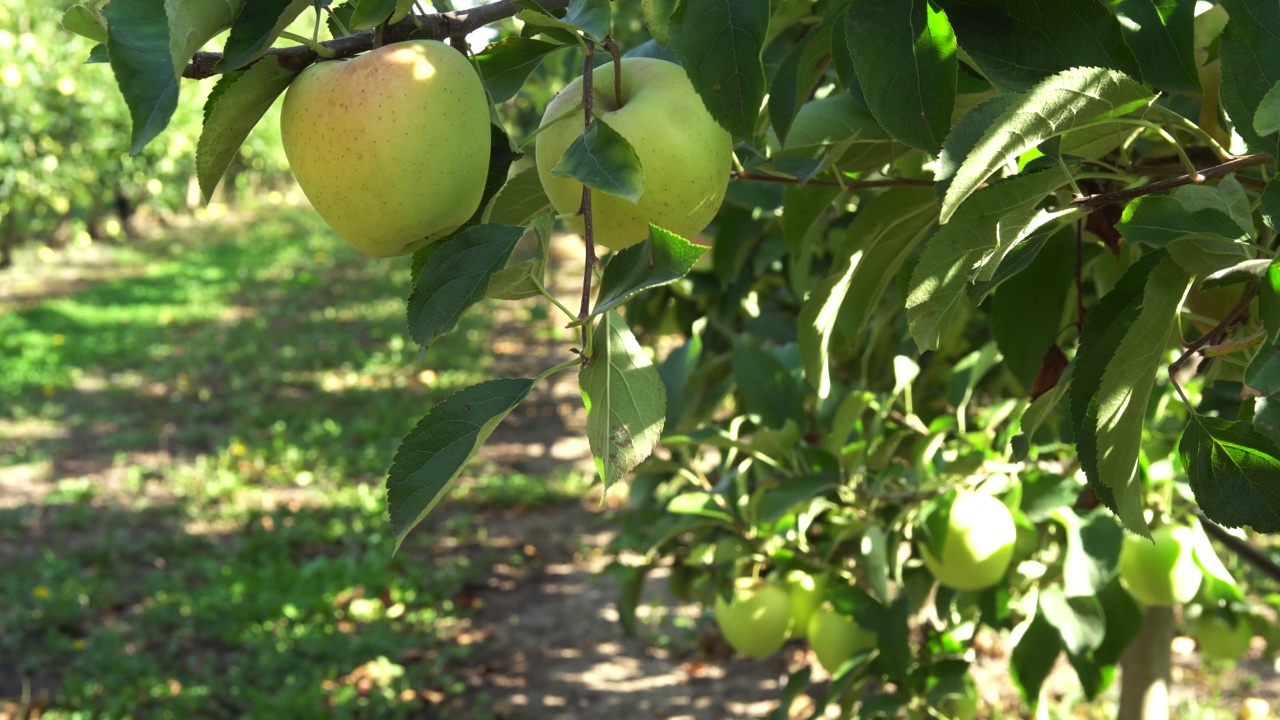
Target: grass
column 203, row 435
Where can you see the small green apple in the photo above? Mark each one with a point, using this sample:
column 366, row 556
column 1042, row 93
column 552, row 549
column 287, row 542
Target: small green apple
column 1163, row 572
column 836, row 637
column 1220, row 639
column 391, row 147
column 807, row 592
column 758, row 620
column 684, row 154
column 978, row 544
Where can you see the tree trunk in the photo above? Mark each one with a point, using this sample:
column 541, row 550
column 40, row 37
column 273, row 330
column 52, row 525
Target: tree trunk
column 8, row 238
column 1146, row 668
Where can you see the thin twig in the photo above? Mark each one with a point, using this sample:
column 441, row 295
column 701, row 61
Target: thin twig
column 1081, row 313
column 1215, row 334
column 440, row 26
column 848, row 184
column 1095, row 201
column 588, row 232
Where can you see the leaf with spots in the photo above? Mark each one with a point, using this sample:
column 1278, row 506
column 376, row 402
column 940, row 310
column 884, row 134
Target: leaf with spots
column 435, row 451
column 719, row 42
column 625, row 398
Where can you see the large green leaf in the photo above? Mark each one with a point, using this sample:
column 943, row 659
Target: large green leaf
column 661, row 260
column 1034, row 656
column 138, row 46
column 1161, row 34
column 1025, row 330
column 1158, row 220
column 796, row 76
column 1096, row 669
column 1080, row 620
column 1018, row 43
column 256, row 28
column 998, row 216
column 767, row 390
column 192, row 23
column 1234, row 472
column 603, row 160
column 456, row 276
column 625, row 398
column 1263, row 372
column 802, row 205
column 519, row 201
column 1069, row 100
column 883, row 234
column 86, row 20
column 371, row 13
column 438, row 447
column 528, row 277
column 964, row 137
column 904, row 53
column 231, row 113
column 1250, row 65
column 506, row 64
column 1267, row 119
column 1093, row 552
column 1126, row 387
column 719, row 44
column 1107, row 327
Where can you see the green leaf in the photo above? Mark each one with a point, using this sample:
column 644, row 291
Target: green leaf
column 456, row 277
column 1093, row 552
column 1246, row 271
column 1016, row 259
column 1079, row 620
column 677, row 370
column 593, row 16
column 1034, row 656
column 1108, row 324
column 256, row 28
column 838, row 119
column 1218, row 581
column 894, row 641
column 719, row 44
column 904, row 53
column 1250, row 59
column 1064, row 102
column 1037, row 413
column 1161, row 35
column 1127, row 382
column 664, row 258
column 1025, row 330
column 603, row 160
column 657, row 15
column 520, row 200
column 1096, row 669
column 1269, row 204
column 506, row 65
column 371, row 13
column 85, row 20
column 625, row 398
column 1158, row 220
column 767, row 389
column 883, row 234
column 1227, row 197
column 138, row 45
column 193, row 22
column 525, row 279
column 438, row 447
column 964, row 137
column 802, row 205
column 1267, row 119
column 1018, row 43
column 998, row 216
column 1263, row 372
column 1234, row 472
column 796, row 77
column 231, row 113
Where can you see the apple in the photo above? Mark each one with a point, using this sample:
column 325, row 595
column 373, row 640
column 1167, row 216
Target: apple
column 390, row 147
column 1163, row 572
column 807, row 592
column 836, row 637
column 684, row 154
column 978, row 544
column 1220, row 639
column 1213, row 304
column 758, row 620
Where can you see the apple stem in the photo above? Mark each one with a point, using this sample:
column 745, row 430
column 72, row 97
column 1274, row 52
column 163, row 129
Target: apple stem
column 319, row 49
column 587, row 231
column 616, row 51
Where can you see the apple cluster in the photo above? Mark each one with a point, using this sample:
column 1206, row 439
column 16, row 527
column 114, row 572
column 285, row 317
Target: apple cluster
column 391, row 147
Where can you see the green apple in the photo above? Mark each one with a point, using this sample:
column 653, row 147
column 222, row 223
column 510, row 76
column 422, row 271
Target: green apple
column 684, row 154
column 807, row 592
column 1220, row 639
column 977, row 545
column 758, row 620
column 1163, row 572
column 391, row 147
column 836, row 637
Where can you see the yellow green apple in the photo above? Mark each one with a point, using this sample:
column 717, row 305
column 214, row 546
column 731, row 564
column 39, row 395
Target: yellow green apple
column 807, row 592
column 977, row 544
column 836, row 637
column 757, row 621
column 1163, row 572
column 391, row 147
column 685, row 156
column 1221, row 639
